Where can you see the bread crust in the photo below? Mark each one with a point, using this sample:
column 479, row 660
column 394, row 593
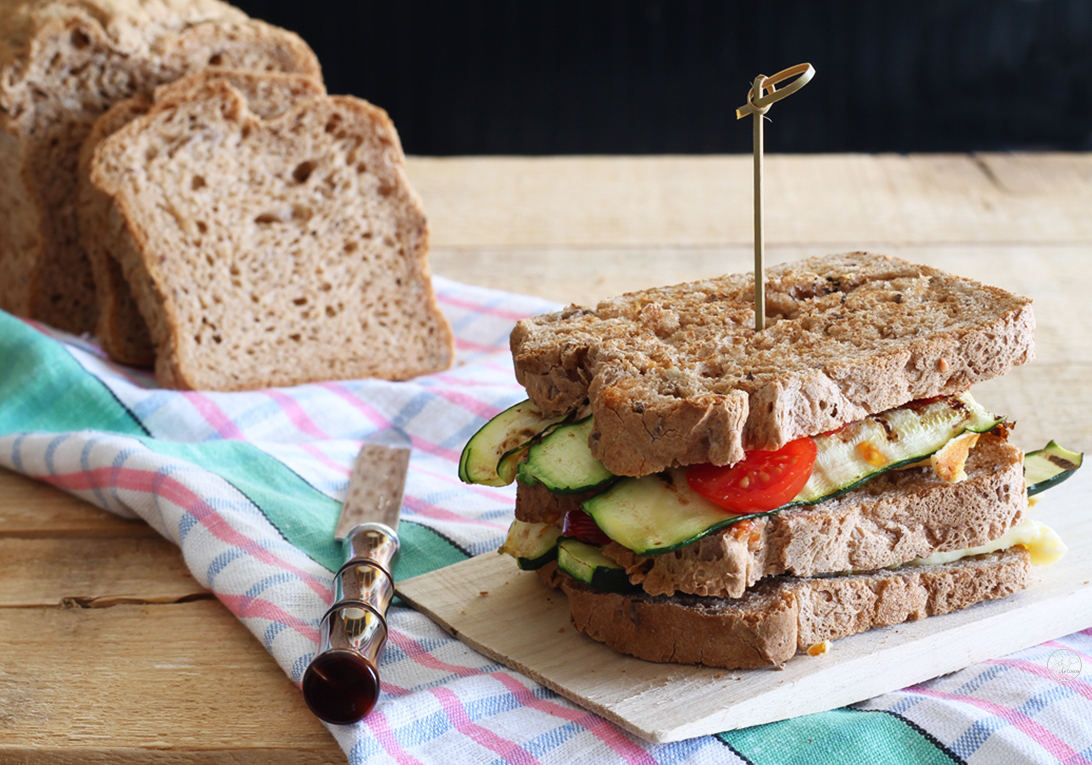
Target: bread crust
column 678, row 375
column 893, row 518
column 784, row 615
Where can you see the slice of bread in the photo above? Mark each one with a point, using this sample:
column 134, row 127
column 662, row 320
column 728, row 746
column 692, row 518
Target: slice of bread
column 678, row 375
column 271, row 252
column 121, row 329
column 62, row 64
column 783, row 615
column 893, row 518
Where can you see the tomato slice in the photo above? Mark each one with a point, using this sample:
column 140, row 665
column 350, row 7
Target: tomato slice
column 582, row 526
column 761, row 481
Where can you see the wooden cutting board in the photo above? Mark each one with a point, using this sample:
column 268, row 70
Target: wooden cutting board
column 510, row 616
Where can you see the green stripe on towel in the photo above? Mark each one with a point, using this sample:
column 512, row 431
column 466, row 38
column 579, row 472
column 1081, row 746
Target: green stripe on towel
column 846, row 736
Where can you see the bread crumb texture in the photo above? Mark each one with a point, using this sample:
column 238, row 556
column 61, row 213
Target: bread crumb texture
column 276, row 251
column 678, row 375
column 121, row 329
column 62, row 64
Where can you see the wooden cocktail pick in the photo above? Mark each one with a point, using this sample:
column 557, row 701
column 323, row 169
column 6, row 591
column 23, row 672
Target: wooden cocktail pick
column 762, row 95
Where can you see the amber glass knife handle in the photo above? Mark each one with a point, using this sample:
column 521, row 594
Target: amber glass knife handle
column 341, row 685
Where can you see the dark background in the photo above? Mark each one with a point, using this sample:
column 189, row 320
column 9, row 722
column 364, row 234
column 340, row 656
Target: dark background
column 665, row 76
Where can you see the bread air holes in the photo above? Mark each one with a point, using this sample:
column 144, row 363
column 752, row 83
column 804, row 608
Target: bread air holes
column 303, row 171
column 334, row 127
column 198, row 182
column 295, row 213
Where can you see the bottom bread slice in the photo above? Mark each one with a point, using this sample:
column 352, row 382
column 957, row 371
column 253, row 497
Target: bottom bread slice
column 782, row 615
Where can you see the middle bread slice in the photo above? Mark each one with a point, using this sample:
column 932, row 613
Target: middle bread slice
column 894, row 518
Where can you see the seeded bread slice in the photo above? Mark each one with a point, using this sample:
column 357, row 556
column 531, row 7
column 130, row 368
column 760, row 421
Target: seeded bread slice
column 784, row 615
column 62, row 64
column 121, row 329
column 678, row 375
column 897, row 516
column 271, row 252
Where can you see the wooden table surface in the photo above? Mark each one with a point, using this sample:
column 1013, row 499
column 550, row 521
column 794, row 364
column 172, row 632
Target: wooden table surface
column 111, row 652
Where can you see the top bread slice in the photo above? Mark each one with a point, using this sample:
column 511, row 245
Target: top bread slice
column 271, row 252
column 678, row 375
column 121, row 329
column 62, row 64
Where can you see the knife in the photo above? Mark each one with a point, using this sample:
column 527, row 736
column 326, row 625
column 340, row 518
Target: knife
column 341, row 685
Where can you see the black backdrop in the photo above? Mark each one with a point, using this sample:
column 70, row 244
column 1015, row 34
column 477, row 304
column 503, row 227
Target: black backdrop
column 665, row 76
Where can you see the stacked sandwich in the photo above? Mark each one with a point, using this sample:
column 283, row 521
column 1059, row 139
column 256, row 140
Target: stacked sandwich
column 707, row 493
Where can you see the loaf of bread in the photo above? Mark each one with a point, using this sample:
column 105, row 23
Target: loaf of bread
column 783, row 615
column 267, row 252
column 121, row 329
column 62, row 64
column 678, row 375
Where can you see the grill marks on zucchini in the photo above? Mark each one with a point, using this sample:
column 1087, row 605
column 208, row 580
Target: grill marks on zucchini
column 889, row 440
column 492, row 455
column 563, row 463
column 1049, row 466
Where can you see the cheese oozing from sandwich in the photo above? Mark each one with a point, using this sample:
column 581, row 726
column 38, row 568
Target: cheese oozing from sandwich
column 1042, row 543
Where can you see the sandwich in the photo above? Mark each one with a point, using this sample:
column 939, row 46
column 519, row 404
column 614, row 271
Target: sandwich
column 705, row 493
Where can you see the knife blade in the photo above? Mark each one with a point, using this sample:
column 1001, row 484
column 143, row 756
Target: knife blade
column 341, row 685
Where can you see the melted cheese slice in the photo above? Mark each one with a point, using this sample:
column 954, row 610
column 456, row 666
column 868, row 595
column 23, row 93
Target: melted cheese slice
column 1042, row 543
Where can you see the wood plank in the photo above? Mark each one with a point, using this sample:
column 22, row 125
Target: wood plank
column 511, row 617
column 1057, row 277
column 702, row 201
column 35, row 509
column 94, row 572
column 179, row 683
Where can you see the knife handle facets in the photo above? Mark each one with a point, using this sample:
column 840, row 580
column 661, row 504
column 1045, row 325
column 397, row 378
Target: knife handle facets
column 342, row 683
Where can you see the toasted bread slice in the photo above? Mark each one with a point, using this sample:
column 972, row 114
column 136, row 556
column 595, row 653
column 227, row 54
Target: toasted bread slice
column 678, row 375
column 784, row 615
column 271, row 252
column 893, row 518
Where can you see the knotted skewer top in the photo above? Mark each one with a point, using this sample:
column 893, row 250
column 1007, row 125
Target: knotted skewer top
column 762, row 95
